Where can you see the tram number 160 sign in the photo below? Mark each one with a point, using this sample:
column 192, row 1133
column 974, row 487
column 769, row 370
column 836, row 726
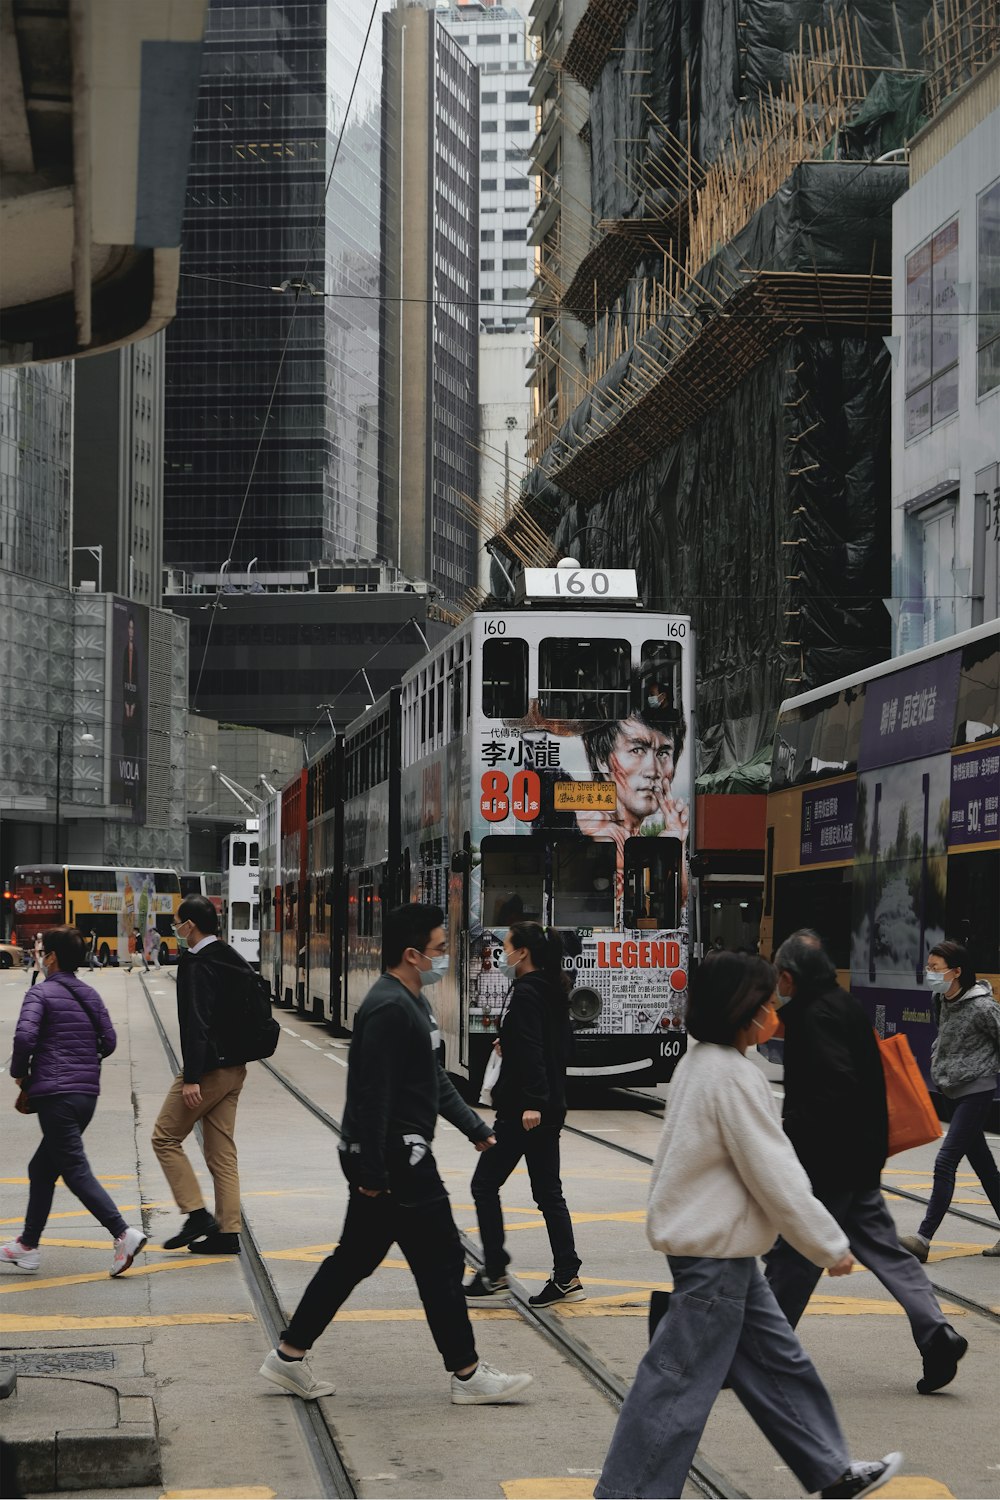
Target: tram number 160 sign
column 519, row 794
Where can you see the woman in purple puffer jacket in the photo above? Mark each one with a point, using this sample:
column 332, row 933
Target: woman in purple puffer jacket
column 62, row 1034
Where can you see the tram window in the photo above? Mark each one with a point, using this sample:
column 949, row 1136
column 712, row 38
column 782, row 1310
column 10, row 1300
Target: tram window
column 971, row 906
column 584, row 679
column 440, row 707
column 255, row 854
column 505, row 678
column 978, row 713
column 225, row 856
column 583, row 883
column 366, row 903
column 456, row 703
column 652, row 882
column 656, row 687
column 239, row 854
column 513, row 881
column 239, row 914
column 820, row 899
column 255, row 915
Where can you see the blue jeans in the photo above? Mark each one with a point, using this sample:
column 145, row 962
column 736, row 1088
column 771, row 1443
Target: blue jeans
column 540, row 1150
column 966, row 1137
column 722, row 1322
column 64, row 1118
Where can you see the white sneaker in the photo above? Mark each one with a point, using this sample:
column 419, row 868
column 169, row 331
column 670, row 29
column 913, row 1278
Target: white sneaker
column 127, row 1247
column 486, row 1386
column 19, row 1257
column 295, row 1376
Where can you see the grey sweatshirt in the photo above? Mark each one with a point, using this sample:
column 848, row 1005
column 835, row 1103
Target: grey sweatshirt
column 965, row 1055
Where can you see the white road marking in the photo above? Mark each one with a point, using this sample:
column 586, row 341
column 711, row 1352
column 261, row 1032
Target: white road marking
column 307, row 1043
column 332, row 1057
column 289, row 1031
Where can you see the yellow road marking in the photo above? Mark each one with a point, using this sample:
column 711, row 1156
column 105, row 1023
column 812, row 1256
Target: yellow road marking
column 916, row 1487
column 189, row 1263
column 21, row 1323
column 854, row 1306
column 235, row 1491
column 560, row 1487
column 23, row 1181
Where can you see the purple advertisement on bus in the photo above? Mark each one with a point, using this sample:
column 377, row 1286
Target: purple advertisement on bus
column 910, row 714
column 974, row 813
column 827, row 831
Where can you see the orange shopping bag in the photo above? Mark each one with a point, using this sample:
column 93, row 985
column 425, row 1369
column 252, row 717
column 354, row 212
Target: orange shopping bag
column 913, row 1120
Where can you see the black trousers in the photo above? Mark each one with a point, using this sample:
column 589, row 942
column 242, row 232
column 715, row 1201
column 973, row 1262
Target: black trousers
column 425, row 1231
column 64, row 1118
column 540, row 1150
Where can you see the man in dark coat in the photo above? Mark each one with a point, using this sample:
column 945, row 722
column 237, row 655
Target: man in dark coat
column 62, row 1034
column 836, row 1118
column 208, row 1088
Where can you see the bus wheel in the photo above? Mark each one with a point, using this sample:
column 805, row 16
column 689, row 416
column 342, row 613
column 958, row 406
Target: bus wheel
column 164, row 954
column 104, row 955
column 5, row 960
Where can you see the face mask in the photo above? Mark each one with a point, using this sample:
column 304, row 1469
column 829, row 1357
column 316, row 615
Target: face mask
column 937, row 980
column 507, row 966
column 768, row 1026
column 437, row 970
column 780, row 998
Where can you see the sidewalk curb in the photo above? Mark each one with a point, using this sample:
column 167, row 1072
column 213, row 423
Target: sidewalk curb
column 80, row 1458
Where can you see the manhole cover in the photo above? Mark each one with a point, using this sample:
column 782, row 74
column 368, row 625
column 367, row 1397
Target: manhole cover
column 63, row 1361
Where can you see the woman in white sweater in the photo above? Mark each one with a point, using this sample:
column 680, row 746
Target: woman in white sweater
column 725, row 1183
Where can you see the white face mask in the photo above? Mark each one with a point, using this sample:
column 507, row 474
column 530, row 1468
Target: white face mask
column 780, row 998
column 937, row 979
column 508, row 966
column 437, row 970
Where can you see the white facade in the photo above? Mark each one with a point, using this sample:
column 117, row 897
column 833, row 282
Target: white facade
column 504, row 414
column 946, row 374
column 495, row 38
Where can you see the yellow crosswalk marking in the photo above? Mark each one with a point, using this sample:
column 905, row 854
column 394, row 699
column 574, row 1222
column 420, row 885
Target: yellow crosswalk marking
column 558, row 1487
column 228, row 1492
column 34, row 1284
column 21, row 1323
column 916, row 1487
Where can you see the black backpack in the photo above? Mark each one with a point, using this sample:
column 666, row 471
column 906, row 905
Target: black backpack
column 251, row 1032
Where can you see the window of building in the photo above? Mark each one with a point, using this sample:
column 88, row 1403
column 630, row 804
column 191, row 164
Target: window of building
column 487, row 265
column 486, row 294
column 515, row 234
column 988, row 291
column 490, row 39
column 514, row 294
column 488, row 184
column 516, row 184
column 505, row 678
column 519, row 96
column 932, row 332
column 489, row 97
column 488, row 127
column 486, row 235
column 928, row 609
column 518, row 127
column 487, row 156
column 515, row 265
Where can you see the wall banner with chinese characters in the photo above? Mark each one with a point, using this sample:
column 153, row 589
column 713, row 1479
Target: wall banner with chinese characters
column 827, row 832
column 974, row 815
column 910, row 713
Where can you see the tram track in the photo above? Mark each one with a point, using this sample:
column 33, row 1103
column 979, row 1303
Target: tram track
column 319, row 1436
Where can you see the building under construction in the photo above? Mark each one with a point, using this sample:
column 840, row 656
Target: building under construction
column 724, row 426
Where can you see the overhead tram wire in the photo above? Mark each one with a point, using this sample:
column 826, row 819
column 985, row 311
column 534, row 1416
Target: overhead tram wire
column 299, row 288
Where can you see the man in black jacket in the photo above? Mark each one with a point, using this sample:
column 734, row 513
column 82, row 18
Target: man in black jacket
column 210, row 976
column 396, row 1088
column 836, row 1118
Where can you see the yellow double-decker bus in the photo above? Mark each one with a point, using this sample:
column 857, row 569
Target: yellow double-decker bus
column 111, row 904
column 883, row 824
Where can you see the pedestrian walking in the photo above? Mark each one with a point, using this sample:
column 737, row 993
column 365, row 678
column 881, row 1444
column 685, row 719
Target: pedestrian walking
column 62, row 1034
column 90, row 948
column 211, row 980
column 38, row 970
column 396, row 1088
column 139, row 946
column 151, row 949
column 724, row 1181
column 836, row 1118
column 535, row 1043
column 965, row 1061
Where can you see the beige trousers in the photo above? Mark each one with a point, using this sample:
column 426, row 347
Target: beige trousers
column 220, row 1093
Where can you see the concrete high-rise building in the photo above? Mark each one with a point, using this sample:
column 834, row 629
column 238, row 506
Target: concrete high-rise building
column 260, row 243
column 118, row 471
column 495, row 38
column 431, row 243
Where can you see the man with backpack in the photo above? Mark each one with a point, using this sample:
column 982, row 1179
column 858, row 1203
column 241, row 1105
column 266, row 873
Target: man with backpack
column 224, row 1023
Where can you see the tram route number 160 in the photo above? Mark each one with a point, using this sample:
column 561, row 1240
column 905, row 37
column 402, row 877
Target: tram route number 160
column 672, row 1047
column 520, row 794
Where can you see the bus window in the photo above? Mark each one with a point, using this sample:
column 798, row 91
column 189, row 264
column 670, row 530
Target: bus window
column 255, row 854
column 583, row 883
column 239, row 915
column 239, row 854
column 652, row 882
column 971, row 906
column 513, row 881
column 505, row 678
column 820, row 899
column 165, row 882
column 584, row 679
column 818, row 739
column 978, row 714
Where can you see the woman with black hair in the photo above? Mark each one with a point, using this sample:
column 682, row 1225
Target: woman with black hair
column 965, row 1060
column 535, row 1042
column 725, row 1182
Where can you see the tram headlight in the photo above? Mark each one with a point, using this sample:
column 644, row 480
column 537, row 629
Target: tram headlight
column 585, row 1005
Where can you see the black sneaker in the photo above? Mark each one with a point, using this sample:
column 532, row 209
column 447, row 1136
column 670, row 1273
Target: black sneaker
column 483, row 1288
column 195, row 1225
column 216, row 1243
column 863, row 1478
column 554, row 1291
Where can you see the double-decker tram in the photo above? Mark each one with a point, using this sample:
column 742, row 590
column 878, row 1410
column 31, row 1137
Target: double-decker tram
column 105, row 902
column 271, row 909
column 240, row 920
column 883, row 824
column 324, row 807
column 372, row 880
column 293, row 863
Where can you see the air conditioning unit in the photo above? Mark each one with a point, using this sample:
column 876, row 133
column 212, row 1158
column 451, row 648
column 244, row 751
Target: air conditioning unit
column 87, row 586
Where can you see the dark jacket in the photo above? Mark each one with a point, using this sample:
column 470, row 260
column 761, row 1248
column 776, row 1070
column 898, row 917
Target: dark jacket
column 536, row 1043
column 835, row 1111
column 57, row 1043
column 396, row 1085
column 208, row 988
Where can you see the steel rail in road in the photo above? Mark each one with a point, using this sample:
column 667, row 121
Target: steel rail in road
column 318, row 1433
column 708, row 1480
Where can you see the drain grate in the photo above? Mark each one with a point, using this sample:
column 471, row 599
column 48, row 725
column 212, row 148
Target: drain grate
column 63, row 1361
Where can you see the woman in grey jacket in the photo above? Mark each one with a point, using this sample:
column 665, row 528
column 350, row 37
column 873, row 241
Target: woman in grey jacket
column 965, row 1061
